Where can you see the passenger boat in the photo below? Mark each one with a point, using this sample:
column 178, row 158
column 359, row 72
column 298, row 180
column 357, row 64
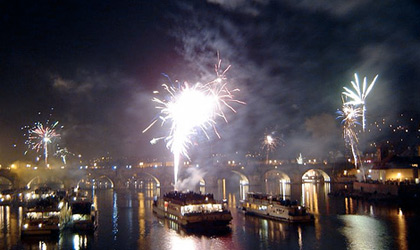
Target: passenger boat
column 41, row 219
column 192, row 209
column 6, row 197
column 83, row 216
column 273, row 207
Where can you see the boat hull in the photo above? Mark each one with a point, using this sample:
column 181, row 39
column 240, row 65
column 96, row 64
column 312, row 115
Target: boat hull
column 293, row 219
column 82, row 226
column 40, row 232
column 44, row 230
column 195, row 220
column 270, row 207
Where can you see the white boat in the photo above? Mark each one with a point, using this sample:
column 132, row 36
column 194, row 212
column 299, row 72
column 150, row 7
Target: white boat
column 192, row 210
column 273, row 207
column 41, row 219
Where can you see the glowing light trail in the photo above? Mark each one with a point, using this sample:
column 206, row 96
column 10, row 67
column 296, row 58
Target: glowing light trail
column 350, row 114
column 191, row 109
column 359, row 97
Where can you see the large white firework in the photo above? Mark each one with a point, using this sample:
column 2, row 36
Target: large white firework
column 358, row 97
column 192, row 109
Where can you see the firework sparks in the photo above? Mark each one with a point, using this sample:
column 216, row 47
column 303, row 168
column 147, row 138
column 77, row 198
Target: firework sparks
column 40, row 136
column 359, row 97
column 269, row 143
column 63, row 153
column 192, row 109
column 350, row 115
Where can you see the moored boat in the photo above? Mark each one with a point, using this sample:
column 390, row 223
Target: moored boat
column 84, row 216
column 6, row 197
column 273, row 207
column 41, row 219
column 192, row 209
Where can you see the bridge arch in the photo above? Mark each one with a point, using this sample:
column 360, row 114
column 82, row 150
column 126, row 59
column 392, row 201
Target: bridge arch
column 91, row 181
column 244, row 180
column 243, row 185
column 5, row 183
column 229, row 182
column 276, row 174
column 315, row 175
column 137, row 176
column 52, row 182
column 105, row 177
column 198, row 185
column 202, row 182
column 277, row 182
column 202, row 185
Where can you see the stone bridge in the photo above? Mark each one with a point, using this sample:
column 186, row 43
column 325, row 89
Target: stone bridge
column 162, row 176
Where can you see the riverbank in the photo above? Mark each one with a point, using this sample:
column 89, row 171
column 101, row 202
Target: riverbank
column 381, row 192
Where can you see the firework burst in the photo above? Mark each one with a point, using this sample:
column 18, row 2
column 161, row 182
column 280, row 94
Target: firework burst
column 40, row 136
column 192, row 109
column 350, row 115
column 358, row 97
column 269, row 143
column 63, row 153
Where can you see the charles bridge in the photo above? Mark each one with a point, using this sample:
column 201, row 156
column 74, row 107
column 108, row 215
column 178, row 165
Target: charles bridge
column 162, row 176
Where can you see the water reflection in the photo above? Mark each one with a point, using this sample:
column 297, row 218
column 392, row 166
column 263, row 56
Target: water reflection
column 364, row 232
column 276, row 234
column 180, row 243
column 114, row 216
column 80, row 242
column 315, row 196
column 126, row 221
column 310, row 197
column 402, row 231
column 232, row 201
column 142, row 218
column 40, row 243
column 300, row 237
column 73, row 240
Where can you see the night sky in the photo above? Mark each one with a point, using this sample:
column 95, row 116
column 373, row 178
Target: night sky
column 93, row 66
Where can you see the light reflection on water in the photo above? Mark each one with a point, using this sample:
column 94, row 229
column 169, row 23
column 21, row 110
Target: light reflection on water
column 126, row 221
column 402, row 231
column 114, row 215
column 364, row 232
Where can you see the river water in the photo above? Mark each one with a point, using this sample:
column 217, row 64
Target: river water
column 126, row 221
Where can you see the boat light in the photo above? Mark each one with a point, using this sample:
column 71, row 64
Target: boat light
column 25, row 226
column 40, row 225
